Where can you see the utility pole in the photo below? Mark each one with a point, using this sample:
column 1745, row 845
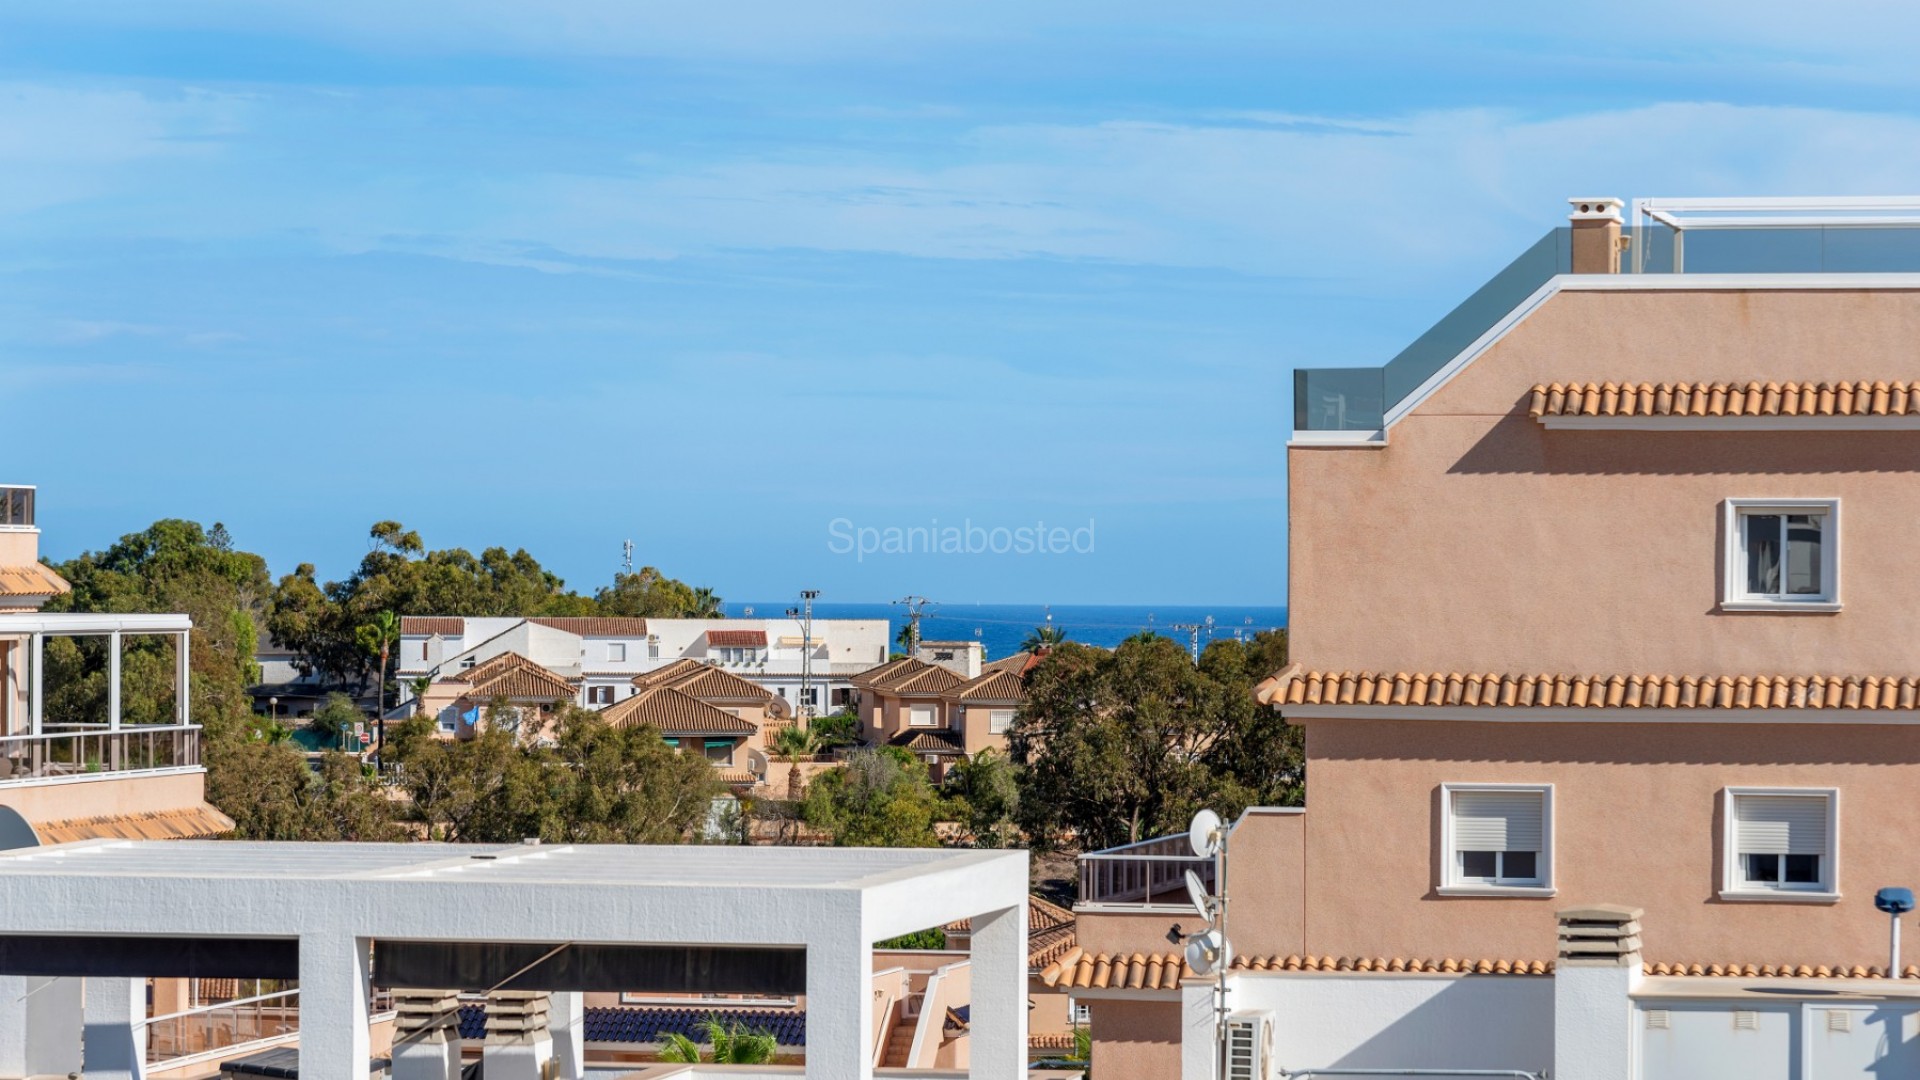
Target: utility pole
column 805, row 614
column 916, row 605
column 1193, row 636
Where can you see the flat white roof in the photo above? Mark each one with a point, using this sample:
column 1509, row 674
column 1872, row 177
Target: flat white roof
column 522, row 864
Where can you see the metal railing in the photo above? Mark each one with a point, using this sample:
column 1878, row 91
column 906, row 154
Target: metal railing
column 1361, row 398
column 86, row 749
column 221, row 1026
column 1150, row 873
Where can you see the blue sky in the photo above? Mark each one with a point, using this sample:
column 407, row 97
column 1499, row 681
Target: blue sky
column 710, row 276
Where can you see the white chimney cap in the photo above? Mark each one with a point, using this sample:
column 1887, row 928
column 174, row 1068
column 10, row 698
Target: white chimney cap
column 1595, row 209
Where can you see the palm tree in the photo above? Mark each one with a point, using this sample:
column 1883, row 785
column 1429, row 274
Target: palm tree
column 1043, row 638
column 732, row 1044
column 380, row 636
column 705, row 604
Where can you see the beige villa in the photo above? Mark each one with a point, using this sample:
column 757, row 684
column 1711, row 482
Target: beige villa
column 1602, row 606
column 939, row 713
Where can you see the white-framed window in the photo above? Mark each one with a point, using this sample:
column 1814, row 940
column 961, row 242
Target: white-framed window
column 923, row 716
column 999, row 720
column 423, row 650
column 616, row 652
column 809, row 695
column 1780, row 843
column 466, row 662
column 1498, row 838
column 599, row 695
column 1782, row 555
column 653, row 649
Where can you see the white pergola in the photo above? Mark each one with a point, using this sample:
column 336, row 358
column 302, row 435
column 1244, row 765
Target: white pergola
column 335, row 899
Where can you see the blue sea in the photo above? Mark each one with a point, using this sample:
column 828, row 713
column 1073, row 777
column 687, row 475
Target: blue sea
column 1002, row 627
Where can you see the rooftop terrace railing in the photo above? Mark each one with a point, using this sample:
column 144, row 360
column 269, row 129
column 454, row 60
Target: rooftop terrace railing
column 85, row 750
column 1359, row 399
column 1150, row 873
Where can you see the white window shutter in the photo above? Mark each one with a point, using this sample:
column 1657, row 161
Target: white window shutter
column 1498, row 820
column 1780, row 824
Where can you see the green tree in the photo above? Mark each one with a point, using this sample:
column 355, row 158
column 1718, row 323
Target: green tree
column 1117, row 747
column 378, row 636
column 335, row 717
column 988, row 786
column 733, row 1044
column 1043, row 638
column 876, row 798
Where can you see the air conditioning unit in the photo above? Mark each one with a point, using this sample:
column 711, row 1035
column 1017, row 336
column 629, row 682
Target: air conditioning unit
column 1250, row 1045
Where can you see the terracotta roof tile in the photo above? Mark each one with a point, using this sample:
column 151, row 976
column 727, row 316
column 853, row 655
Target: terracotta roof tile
column 1864, row 398
column 1081, row 970
column 1777, row 971
column 998, row 685
column 914, row 677
column 874, row 675
column 1050, row 931
column 511, row 675
column 708, row 683
column 32, row 579
column 595, row 626
column 427, row 625
column 929, row 742
column 735, row 638
column 189, row 823
column 1547, row 690
column 674, row 713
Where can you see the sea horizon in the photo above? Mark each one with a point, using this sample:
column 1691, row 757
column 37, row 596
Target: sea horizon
column 1000, row 628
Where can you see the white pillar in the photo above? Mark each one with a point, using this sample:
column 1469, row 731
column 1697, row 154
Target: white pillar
column 113, row 1045
column 333, row 1007
column 1593, row 981
column 840, row 1005
column 997, row 1028
column 13, row 1025
column 36, row 704
column 54, row 1026
column 1199, row 1032
column 567, row 1019
column 182, row 704
column 113, row 681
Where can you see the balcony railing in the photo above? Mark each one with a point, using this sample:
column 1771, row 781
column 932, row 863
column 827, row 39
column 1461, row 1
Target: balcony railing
column 1360, row 399
column 77, row 750
column 16, row 507
column 1151, row 873
column 221, row 1026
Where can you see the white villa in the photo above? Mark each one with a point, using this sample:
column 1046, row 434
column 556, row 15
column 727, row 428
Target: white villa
column 601, row 656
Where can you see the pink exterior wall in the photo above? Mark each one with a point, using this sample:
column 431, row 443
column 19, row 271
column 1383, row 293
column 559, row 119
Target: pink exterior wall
column 117, row 796
column 19, row 547
column 1135, row 1040
column 974, row 721
column 1478, row 541
column 1475, row 531
column 888, row 717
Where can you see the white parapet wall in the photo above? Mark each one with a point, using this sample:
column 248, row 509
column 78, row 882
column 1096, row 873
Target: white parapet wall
column 1386, row 1021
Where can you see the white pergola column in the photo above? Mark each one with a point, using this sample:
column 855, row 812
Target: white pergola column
column 113, row 681
column 334, row 970
column 13, row 1025
column 997, row 1030
column 55, row 1025
column 113, row 1044
column 36, row 698
column 182, row 706
column 567, row 1018
column 840, row 1006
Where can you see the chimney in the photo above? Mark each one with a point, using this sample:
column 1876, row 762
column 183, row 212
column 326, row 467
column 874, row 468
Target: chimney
column 519, row 1042
column 1594, row 976
column 1596, row 236
column 426, row 1035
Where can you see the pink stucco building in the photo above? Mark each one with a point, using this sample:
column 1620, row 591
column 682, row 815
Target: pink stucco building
column 1600, row 595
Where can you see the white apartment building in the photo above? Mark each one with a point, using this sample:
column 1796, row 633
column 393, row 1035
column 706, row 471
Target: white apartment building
column 604, row 654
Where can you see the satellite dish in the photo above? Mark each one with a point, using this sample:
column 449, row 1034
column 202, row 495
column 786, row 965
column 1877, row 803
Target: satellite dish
column 1208, row 952
column 1204, row 833
column 1197, row 892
